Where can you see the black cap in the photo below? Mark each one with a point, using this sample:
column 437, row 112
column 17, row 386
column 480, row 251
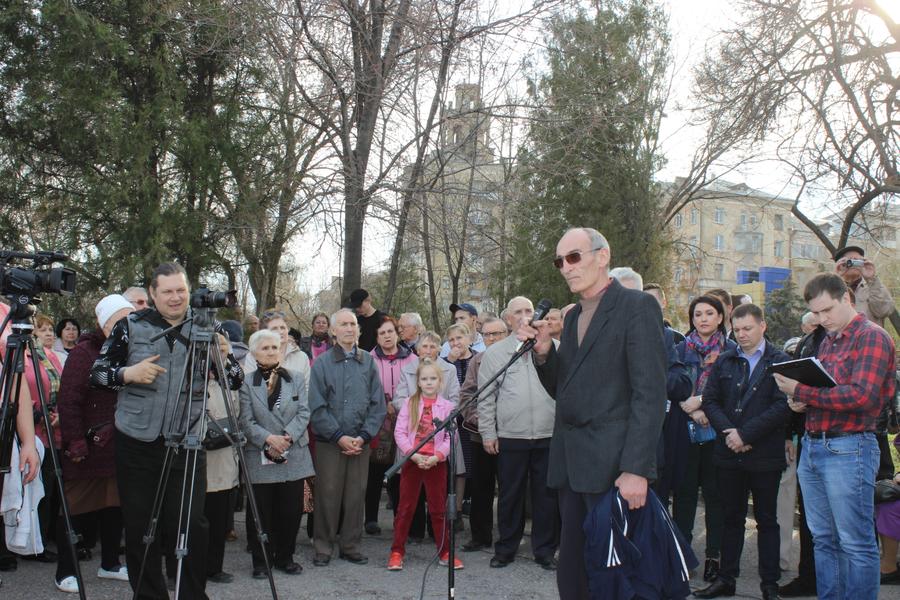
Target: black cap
column 842, row 251
column 464, row 306
column 233, row 330
column 357, row 297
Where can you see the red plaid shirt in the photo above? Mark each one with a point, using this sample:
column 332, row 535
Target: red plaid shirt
column 861, row 360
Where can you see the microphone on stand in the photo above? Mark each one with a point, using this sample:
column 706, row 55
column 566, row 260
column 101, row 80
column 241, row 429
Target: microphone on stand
column 540, row 311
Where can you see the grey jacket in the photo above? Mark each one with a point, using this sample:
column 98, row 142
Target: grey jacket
column 345, row 396
column 522, row 409
column 291, row 418
column 610, row 393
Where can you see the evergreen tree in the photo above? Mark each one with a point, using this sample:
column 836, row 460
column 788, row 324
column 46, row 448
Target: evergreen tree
column 784, row 309
column 591, row 150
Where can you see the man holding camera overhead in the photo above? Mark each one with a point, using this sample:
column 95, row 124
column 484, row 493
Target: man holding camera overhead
column 872, row 297
column 147, row 374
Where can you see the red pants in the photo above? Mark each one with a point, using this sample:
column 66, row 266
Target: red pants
column 411, row 480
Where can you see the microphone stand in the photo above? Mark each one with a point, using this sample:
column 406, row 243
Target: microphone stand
column 449, row 424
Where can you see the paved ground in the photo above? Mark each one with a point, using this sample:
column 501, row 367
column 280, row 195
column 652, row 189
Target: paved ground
column 522, row 580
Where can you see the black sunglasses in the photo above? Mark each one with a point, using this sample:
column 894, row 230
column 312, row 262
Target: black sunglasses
column 573, row 258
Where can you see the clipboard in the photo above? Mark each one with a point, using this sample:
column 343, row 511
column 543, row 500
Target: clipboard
column 808, row 371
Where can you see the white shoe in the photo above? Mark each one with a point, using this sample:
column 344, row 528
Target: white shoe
column 68, row 584
column 121, row 574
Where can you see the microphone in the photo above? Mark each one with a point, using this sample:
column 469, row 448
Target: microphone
column 540, row 311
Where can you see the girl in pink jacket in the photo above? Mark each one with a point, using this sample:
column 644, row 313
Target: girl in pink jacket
column 427, row 467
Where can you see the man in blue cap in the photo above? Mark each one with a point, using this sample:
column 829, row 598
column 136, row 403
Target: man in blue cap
column 466, row 314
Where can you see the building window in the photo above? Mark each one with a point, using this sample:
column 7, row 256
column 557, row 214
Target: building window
column 720, row 242
column 779, row 249
column 695, row 216
column 779, row 222
column 743, row 221
column 720, row 271
column 679, row 221
column 753, row 221
column 720, row 216
column 679, row 273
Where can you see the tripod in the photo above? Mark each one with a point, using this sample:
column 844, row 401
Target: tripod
column 186, row 432
column 449, row 424
column 18, row 342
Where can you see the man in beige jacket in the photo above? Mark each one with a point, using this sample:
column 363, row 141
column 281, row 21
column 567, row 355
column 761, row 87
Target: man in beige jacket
column 872, row 297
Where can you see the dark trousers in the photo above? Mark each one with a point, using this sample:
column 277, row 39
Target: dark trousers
column 519, row 459
column 434, row 482
column 107, row 521
column 280, row 508
column 735, row 486
column 806, row 570
column 571, row 577
column 217, row 509
column 483, row 484
column 699, row 474
column 49, row 506
column 373, row 490
column 138, row 469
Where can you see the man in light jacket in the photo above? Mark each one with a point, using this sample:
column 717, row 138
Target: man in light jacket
column 516, row 424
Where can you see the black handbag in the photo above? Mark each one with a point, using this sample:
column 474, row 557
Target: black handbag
column 886, row 490
column 216, row 430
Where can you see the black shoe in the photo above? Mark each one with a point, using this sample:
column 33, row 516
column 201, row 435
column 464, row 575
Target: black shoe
column 548, row 563
column 474, row 546
column 8, row 563
column 85, row 554
column 321, row 560
column 892, row 578
column 354, row 557
column 221, row 577
column 259, row 574
column 290, row 568
column 498, row 562
column 770, row 593
column 711, row 569
column 47, row 556
column 797, row 588
column 716, row 589
column 372, row 528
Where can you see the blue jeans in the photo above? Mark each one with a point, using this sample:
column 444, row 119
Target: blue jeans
column 837, row 477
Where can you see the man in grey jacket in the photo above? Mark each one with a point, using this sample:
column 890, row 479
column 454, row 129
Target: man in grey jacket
column 346, row 403
column 516, row 424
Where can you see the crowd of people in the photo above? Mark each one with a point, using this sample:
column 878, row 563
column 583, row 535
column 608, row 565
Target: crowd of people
column 609, row 400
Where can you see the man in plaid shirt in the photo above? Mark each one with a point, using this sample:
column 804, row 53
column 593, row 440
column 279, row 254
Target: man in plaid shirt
column 840, row 458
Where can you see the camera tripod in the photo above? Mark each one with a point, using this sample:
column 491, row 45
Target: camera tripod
column 186, row 432
column 20, row 341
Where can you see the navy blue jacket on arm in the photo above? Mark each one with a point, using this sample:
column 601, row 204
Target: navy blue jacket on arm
column 635, row 553
column 751, row 403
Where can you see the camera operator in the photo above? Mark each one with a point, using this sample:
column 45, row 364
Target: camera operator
column 872, row 297
column 146, row 375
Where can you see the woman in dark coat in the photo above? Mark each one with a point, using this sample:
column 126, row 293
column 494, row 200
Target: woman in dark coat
column 87, row 425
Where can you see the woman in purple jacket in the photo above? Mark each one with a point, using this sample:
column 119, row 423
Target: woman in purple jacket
column 390, row 357
column 87, row 424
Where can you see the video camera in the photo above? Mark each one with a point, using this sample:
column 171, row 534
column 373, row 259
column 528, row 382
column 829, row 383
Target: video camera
column 205, row 298
column 33, row 281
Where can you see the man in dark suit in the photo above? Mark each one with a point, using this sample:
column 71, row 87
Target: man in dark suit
column 609, row 381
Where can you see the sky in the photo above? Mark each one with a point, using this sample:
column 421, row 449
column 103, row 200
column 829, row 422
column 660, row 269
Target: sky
column 694, row 25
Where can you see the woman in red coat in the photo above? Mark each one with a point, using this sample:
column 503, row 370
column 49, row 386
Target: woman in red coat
column 87, row 425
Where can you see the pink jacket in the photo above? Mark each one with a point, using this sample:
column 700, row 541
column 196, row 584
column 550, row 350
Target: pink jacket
column 389, row 370
column 406, row 437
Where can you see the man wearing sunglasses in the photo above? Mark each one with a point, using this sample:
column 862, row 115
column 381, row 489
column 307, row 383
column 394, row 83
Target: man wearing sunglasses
column 608, row 377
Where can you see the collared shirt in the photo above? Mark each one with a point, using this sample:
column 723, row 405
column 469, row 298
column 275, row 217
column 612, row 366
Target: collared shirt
column 861, row 360
column 754, row 357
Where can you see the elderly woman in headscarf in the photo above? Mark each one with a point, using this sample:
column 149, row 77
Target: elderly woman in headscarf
column 274, row 417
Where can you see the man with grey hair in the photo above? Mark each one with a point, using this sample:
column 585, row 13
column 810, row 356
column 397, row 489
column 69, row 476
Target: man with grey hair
column 137, row 296
column 628, row 277
column 608, row 377
column 515, row 424
column 410, row 328
column 346, row 403
column 808, row 323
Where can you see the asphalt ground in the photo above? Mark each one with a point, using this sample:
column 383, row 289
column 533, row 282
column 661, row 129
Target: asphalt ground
column 522, row 579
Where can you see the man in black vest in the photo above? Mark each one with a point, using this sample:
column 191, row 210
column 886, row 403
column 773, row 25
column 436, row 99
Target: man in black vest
column 147, row 374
